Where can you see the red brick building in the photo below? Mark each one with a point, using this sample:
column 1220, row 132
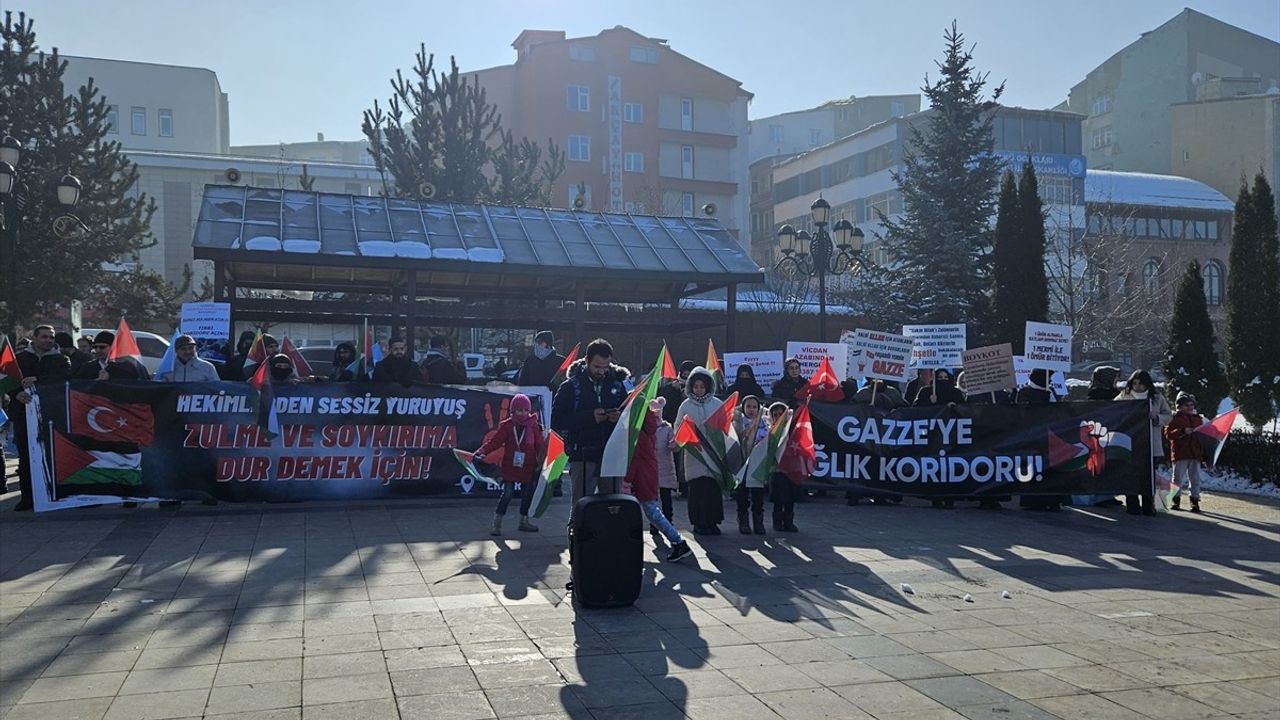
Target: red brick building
column 644, row 129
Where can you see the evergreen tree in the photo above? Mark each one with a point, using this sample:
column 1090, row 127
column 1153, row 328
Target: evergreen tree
column 1253, row 296
column 1191, row 360
column 938, row 248
column 143, row 296
column 439, row 138
column 1004, row 267
column 62, row 132
column 1031, row 271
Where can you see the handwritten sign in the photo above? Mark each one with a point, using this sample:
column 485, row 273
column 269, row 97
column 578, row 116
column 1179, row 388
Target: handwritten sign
column 766, row 364
column 810, row 355
column 936, row 346
column 881, row 355
column 988, row 369
column 1048, row 346
column 1022, row 370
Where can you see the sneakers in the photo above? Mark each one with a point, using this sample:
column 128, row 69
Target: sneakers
column 679, row 551
column 497, row 526
column 526, row 526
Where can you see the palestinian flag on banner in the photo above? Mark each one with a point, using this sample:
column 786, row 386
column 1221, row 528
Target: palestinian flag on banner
column 10, row 373
column 713, row 364
column 74, row 465
column 125, row 345
column 799, row 455
column 268, row 419
column 621, row 445
column 1218, row 430
column 563, row 372
column 763, row 462
column 300, row 364
column 550, row 475
column 1095, row 447
column 468, row 463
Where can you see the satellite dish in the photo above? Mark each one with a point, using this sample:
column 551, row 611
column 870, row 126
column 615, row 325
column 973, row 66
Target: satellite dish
column 709, row 209
column 232, row 175
column 427, row 190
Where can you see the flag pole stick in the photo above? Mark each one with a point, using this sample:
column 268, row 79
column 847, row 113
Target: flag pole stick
column 875, row 385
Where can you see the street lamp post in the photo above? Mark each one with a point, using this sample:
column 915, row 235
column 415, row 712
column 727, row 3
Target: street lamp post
column 14, row 197
column 818, row 255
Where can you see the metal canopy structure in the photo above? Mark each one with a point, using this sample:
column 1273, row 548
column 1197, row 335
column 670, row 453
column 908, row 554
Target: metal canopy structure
column 456, row 264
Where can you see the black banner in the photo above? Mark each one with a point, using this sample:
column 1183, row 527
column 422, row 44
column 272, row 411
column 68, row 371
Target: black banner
column 197, row 440
column 974, row 450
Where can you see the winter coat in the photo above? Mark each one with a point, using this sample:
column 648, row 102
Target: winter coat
column 887, row 396
column 78, row 358
column 999, row 397
column 198, row 370
column 785, row 389
column 508, row 440
column 539, row 372
column 642, row 473
column 50, row 367
column 1033, row 395
column 342, row 372
column 573, row 409
column 1164, row 414
column 1184, row 445
column 122, row 369
column 673, row 392
column 233, row 368
column 663, row 442
column 397, row 370
column 439, row 369
column 747, row 386
column 698, row 410
column 947, row 393
column 1102, row 385
column 747, row 441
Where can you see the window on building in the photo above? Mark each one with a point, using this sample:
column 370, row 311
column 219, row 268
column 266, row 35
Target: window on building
column 582, row 53
column 1102, row 137
column 633, row 162
column 633, row 112
column 755, row 223
column 755, row 185
column 1101, row 105
column 776, row 133
column 166, row 122
column 1095, row 224
column 1095, row 283
column 1151, row 275
column 1166, row 228
column 1213, row 230
column 138, row 125
column 815, row 137
column 1213, row 282
column 578, row 98
column 686, row 204
column 686, row 113
column 686, row 161
column 644, row 55
column 580, row 148
column 113, row 119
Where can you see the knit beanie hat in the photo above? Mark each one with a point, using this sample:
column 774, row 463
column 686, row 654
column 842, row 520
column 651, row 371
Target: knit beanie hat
column 1184, row 398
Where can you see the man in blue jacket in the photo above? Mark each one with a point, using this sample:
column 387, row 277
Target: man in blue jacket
column 585, row 409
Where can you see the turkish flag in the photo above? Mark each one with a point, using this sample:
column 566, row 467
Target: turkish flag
column 100, row 418
column 824, row 386
column 800, row 456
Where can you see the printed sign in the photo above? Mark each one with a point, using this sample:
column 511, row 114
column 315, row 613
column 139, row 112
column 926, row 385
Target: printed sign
column 766, row 364
column 1022, row 370
column 989, row 369
column 210, row 324
column 881, row 355
column 615, row 143
column 936, row 346
column 1048, row 346
column 810, row 355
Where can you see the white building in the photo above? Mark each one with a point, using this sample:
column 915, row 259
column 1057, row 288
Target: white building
column 803, row 130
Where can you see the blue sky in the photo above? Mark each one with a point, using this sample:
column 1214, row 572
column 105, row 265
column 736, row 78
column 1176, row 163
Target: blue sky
column 294, row 68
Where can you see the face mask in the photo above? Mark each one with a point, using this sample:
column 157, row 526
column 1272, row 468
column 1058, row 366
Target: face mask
column 541, row 352
column 280, row 373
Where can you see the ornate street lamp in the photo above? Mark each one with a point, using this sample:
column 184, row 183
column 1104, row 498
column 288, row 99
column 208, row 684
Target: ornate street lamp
column 818, row 255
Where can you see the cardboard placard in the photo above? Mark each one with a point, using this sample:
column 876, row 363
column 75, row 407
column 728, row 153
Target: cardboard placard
column 936, row 346
column 810, row 355
column 1048, row 346
column 766, row 364
column 989, row 369
column 881, row 355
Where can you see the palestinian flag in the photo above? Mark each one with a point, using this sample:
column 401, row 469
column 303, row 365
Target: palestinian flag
column 1218, row 430
column 563, row 372
column 300, row 364
column 10, row 373
column 74, row 465
column 668, row 366
column 713, row 364
column 689, row 439
column 799, row 455
column 268, row 420
column 621, row 445
column 722, row 437
column 550, row 475
column 763, row 462
column 257, row 354
column 1095, row 448
column 468, row 463
column 125, row 345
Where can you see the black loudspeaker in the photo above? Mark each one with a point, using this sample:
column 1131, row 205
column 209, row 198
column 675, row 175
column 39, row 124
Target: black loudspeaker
column 606, row 550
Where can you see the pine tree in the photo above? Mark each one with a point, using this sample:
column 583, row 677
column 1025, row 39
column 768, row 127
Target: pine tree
column 1253, row 294
column 63, row 133
column 938, row 248
column 1004, row 267
column 1031, row 273
column 1191, row 360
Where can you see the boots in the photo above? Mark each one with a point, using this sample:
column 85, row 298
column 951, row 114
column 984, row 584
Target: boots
column 778, row 523
column 1195, row 505
column 1177, row 502
column 788, row 524
column 526, row 526
column 757, row 519
column 743, row 527
column 497, row 526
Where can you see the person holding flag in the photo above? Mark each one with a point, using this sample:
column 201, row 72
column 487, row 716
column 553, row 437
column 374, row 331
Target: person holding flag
column 752, row 431
column 265, row 346
column 523, row 444
column 543, row 363
column 39, row 363
column 1185, row 451
column 584, row 411
column 706, row 502
column 344, row 359
column 108, row 364
column 643, row 471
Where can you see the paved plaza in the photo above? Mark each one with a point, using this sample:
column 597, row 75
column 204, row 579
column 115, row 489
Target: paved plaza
column 410, row 610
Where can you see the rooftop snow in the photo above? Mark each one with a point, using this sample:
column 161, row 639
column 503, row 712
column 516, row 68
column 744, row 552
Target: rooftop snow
column 1148, row 190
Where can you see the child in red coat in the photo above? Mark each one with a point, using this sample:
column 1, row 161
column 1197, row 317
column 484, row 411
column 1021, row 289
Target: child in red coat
column 1185, row 450
column 520, row 438
column 642, row 477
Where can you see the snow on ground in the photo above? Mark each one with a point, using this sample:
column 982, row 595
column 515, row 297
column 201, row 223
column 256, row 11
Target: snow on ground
column 1223, row 480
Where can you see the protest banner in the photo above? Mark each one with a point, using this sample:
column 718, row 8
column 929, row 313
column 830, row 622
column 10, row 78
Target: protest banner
column 1022, row 372
column 984, row 450
column 989, row 369
column 210, row 324
column 1048, row 346
column 881, row 355
column 936, row 346
column 191, row 441
column 847, row 338
column 766, row 364
column 810, row 355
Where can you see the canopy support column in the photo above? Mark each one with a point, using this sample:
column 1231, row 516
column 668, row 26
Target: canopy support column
column 411, row 312
column 731, row 327
column 580, row 314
